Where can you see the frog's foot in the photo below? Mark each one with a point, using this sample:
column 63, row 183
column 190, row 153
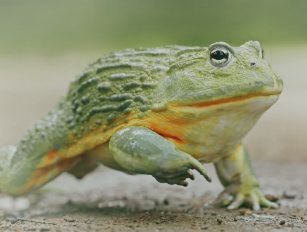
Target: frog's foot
column 179, row 179
column 235, row 196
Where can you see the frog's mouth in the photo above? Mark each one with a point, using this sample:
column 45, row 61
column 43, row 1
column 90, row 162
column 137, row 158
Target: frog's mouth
column 222, row 101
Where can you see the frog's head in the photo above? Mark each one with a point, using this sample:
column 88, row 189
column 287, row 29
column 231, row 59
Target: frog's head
column 219, row 74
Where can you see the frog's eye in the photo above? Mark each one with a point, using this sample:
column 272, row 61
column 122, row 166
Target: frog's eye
column 220, row 56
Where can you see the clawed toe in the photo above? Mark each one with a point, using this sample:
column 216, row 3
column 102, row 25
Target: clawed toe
column 184, row 183
column 237, row 202
column 190, row 175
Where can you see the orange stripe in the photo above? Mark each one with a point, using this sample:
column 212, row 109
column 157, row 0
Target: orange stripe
column 224, row 101
column 46, row 174
column 169, row 136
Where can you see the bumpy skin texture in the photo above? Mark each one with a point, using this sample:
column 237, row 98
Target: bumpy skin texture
column 159, row 111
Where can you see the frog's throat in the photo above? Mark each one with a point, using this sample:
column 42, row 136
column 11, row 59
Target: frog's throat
column 204, row 104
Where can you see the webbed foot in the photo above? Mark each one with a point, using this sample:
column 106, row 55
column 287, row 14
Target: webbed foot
column 241, row 184
column 235, row 196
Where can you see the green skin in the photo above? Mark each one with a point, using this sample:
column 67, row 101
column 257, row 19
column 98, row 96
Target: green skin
column 123, row 111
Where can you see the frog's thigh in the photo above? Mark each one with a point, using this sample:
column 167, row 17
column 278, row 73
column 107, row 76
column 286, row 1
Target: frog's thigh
column 47, row 170
column 19, row 175
column 139, row 150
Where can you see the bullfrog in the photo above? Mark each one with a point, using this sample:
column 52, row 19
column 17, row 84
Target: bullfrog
column 158, row 111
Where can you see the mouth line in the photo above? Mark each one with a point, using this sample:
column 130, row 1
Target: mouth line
column 222, row 101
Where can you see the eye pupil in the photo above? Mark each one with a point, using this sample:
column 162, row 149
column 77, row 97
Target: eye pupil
column 218, row 55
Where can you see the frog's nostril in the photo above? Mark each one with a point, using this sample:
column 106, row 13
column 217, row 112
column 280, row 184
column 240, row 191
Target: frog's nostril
column 253, row 64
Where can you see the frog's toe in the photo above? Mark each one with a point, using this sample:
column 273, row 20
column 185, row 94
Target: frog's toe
column 227, row 196
column 237, row 202
column 255, row 202
column 196, row 165
column 224, row 199
column 190, row 175
column 264, row 202
column 258, row 200
column 183, row 183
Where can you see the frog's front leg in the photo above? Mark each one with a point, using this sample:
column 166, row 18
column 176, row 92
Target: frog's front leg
column 241, row 185
column 139, row 150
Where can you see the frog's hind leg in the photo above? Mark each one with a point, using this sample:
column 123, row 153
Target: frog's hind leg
column 19, row 175
column 41, row 155
column 139, row 150
column 88, row 162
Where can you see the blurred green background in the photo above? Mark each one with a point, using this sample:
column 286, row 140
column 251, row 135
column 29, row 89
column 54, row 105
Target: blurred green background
column 60, row 26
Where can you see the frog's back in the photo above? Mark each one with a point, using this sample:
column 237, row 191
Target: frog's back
column 117, row 85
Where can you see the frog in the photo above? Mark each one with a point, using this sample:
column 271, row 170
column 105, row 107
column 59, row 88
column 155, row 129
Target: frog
column 162, row 112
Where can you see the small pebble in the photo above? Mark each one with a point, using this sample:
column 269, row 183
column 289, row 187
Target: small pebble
column 272, row 198
column 69, row 220
column 282, row 222
column 44, row 229
column 166, row 202
column 219, row 221
column 245, row 212
column 289, row 195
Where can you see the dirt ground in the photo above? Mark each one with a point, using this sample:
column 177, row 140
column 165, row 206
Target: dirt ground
column 108, row 200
